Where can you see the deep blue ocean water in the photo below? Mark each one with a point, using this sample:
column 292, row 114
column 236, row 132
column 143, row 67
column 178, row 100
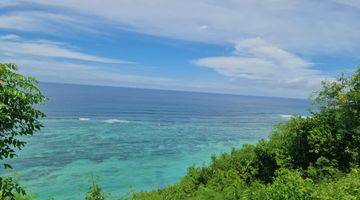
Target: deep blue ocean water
column 137, row 137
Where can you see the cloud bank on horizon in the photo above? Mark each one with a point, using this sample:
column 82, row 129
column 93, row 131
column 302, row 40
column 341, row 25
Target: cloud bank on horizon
column 257, row 47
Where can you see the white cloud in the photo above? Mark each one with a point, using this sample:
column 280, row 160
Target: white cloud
column 11, row 37
column 289, row 27
column 52, row 61
column 257, row 61
column 6, row 3
column 82, row 74
column 54, row 23
column 67, row 72
column 17, row 22
column 14, row 45
column 302, row 26
column 353, row 3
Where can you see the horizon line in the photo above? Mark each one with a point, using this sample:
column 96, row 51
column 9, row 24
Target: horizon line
column 174, row 90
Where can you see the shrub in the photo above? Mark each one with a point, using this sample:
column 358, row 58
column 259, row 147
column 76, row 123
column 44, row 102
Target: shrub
column 304, row 158
column 95, row 193
column 18, row 117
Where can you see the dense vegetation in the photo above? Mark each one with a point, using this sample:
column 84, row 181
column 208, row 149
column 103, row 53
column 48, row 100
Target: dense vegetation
column 316, row 157
column 18, row 116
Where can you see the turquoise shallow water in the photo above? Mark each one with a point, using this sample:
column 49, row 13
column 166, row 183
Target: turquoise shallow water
column 143, row 138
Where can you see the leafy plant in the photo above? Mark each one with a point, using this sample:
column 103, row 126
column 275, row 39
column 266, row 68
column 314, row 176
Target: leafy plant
column 316, row 157
column 95, row 192
column 18, row 117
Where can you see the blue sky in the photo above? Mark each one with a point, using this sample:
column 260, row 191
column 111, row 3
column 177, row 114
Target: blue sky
column 252, row 47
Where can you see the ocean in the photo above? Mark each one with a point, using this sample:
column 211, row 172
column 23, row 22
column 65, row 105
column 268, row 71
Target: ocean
column 135, row 139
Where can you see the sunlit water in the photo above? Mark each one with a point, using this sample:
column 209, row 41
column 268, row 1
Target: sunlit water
column 134, row 137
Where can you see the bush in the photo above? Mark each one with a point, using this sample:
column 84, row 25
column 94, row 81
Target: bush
column 18, row 117
column 317, row 157
column 347, row 187
column 95, row 192
column 304, row 158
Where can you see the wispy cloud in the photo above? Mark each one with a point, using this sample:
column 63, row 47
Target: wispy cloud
column 10, row 37
column 67, row 72
column 47, row 21
column 352, row 3
column 306, row 27
column 53, row 61
column 285, row 34
column 256, row 60
column 6, row 3
column 12, row 45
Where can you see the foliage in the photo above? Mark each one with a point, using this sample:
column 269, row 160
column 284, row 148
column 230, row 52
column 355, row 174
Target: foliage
column 316, row 157
column 95, row 192
column 18, row 116
column 9, row 187
column 18, row 96
column 347, row 187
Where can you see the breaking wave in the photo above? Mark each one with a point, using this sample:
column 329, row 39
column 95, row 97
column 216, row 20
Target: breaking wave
column 112, row 121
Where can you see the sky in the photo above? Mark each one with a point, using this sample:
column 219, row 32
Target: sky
column 281, row 48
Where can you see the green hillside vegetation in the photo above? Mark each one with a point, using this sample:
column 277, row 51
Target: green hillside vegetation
column 316, row 157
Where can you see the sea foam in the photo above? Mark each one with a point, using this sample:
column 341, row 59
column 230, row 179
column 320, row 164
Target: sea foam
column 112, row 121
column 286, row 116
column 289, row 116
column 84, row 119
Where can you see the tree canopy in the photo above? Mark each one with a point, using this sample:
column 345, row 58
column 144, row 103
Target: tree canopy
column 19, row 116
column 316, row 157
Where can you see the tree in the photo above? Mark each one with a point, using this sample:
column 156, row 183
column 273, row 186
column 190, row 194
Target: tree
column 19, row 116
column 314, row 157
